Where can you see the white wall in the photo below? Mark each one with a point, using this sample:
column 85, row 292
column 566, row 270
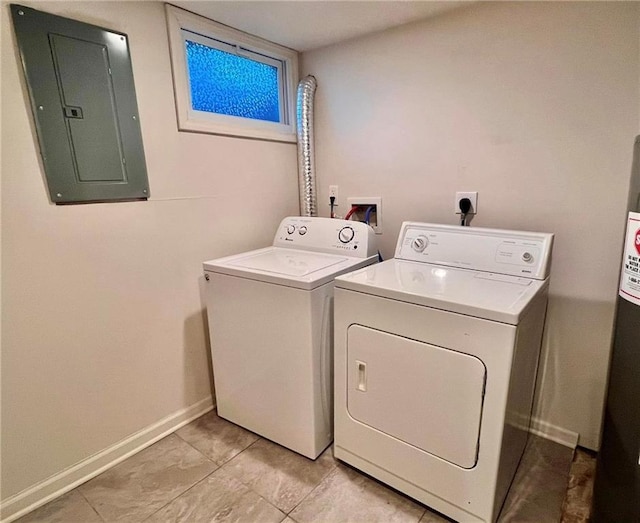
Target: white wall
column 103, row 329
column 533, row 105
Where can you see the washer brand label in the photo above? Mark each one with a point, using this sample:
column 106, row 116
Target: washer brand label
column 630, row 278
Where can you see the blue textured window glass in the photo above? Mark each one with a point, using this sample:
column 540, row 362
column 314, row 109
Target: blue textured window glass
column 226, row 83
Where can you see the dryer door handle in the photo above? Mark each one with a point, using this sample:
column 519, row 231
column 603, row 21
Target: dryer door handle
column 362, row 376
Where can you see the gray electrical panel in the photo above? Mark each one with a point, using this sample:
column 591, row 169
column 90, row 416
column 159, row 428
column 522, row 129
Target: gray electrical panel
column 83, row 99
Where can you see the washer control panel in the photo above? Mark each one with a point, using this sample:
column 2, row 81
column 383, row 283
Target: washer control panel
column 493, row 250
column 420, row 243
column 346, row 234
column 330, row 235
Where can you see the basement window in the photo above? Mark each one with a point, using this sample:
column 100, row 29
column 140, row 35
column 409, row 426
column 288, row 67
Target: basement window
column 228, row 82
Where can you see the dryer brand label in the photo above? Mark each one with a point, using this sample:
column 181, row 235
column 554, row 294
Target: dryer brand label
column 630, row 278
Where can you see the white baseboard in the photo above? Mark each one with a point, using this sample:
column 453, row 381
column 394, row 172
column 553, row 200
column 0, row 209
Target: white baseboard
column 546, row 430
column 20, row 504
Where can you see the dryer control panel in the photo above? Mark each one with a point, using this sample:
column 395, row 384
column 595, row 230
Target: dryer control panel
column 517, row 253
column 330, row 235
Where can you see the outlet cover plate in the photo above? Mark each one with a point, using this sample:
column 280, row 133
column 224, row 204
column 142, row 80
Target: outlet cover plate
column 473, row 196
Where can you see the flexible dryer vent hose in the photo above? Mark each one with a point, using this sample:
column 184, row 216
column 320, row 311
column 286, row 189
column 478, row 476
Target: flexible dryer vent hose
column 306, row 146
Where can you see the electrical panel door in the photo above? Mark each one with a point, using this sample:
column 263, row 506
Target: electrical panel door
column 83, row 99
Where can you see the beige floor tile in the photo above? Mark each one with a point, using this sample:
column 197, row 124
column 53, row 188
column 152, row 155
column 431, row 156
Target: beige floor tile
column 139, row 486
column 67, row 508
column 216, row 438
column 219, row 497
column 346, row 495
column 279, row 475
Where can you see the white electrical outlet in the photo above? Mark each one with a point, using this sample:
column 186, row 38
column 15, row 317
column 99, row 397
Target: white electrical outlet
column 363, row 203
column 333, row 191
column 473, row 196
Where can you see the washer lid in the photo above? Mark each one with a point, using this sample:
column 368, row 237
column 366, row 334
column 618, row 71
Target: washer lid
column 487, row 295
column 287, row 262
column 291, row 267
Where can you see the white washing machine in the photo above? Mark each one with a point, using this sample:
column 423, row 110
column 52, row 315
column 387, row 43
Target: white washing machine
column 436, row 353
column 270, row 326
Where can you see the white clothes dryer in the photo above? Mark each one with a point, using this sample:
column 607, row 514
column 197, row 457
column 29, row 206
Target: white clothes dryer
column 270, row 326
column 436, row 353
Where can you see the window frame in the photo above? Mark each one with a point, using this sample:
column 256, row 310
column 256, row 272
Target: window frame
column 224, row 38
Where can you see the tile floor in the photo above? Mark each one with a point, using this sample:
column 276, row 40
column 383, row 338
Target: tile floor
column 212, row 470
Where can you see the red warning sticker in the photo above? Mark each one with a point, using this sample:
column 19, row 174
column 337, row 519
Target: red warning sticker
column 630, row 277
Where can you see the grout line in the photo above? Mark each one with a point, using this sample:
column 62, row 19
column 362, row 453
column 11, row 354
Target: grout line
column 333, row 468
column 200, row 452
column 197, row 482
column 270, row 503
column 88, row 502
column 244, row 449
column 180, row 495
column 218, row 467
column 236, row 455
column 260, row 438
column 261, row 497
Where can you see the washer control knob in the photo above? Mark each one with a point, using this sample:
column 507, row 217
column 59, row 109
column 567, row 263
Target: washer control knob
column 346, row 234
column 291, row 229
column 302, row 230
column 528, row 257
column 420, row 243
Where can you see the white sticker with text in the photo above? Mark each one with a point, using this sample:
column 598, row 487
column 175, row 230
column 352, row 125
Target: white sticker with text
column 630, row 280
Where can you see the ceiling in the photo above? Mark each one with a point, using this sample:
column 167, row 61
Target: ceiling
column 304, row 25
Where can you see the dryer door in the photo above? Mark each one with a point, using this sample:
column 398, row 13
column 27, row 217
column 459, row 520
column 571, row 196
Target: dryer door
column 426, row 396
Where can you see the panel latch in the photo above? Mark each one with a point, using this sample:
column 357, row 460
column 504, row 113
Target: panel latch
column 73, row 112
